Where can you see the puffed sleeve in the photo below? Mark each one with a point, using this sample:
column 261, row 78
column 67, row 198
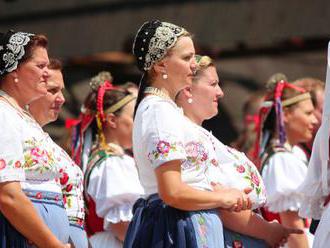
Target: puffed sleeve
column 282, row 175
column 114, row 186
column 11, row 149
column 163, row 131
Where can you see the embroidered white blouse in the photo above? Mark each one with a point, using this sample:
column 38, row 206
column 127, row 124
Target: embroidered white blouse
column 27, row 152
column 114, row 186
column 161, row 133
column 283, row 173
column 232, row 168
column 71, row 180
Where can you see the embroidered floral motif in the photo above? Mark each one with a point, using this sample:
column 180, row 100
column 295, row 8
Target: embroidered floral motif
column 10, row 163
column 163, row 148
column 196, row 155
column 37, row 158
column 2, row 164
column 202, row 230
column 250, row 175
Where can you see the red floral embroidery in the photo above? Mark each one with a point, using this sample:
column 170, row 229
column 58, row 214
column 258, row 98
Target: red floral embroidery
column 64, row 179
column 2, row 164
column 214, row 162
column 163, row 147
column 18, row 164
column 240, row 169
column 68, row 187
column 39, row 195
column 255, row 179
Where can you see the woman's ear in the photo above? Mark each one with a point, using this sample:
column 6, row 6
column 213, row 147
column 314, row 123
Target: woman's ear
column 111, row 120
column 286, row 115
column 160, row 67
column 187, row 91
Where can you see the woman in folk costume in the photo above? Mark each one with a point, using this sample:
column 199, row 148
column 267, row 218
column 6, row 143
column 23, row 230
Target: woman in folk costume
column 229, row 168
column 315, row 188
column 179, row 206
column 287, row 119
column 45, row 110
column 111, row 179
column 31, row 205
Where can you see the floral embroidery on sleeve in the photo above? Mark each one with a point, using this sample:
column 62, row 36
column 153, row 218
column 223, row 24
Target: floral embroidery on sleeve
column 163, row 149
column 10, row 163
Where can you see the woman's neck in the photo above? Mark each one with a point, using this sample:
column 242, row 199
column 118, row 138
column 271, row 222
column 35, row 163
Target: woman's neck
column 159, row 84
column 193, row 117
column 14, row 95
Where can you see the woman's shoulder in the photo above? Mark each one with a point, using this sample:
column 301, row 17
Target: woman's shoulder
column 155, row 104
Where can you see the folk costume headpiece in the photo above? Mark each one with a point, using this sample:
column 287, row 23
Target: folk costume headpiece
column 276, row 104
column 152, row 42
column 12, row 50
column 100, row 84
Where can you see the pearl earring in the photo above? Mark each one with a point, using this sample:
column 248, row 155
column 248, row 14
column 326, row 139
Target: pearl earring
column 165, row 76
column 190, row 100
column 16, row 80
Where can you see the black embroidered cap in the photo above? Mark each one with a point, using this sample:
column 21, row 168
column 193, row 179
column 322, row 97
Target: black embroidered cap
column 153, row 40
column 12, row 49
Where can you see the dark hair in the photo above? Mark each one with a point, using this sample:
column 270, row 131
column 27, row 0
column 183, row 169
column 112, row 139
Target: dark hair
column 109, row 99
column 38, row 40
column 55, row 64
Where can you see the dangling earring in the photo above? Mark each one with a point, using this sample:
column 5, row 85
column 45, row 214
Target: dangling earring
column 164, row 76
column 16, row 80
column 190, row 100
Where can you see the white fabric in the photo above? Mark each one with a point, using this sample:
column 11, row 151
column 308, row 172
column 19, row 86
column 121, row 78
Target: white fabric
column 27, row 153
column 71, row 180
column 283, row 173
column 161, row 134
column 299, row 153
column 114, row 186
column 315, row 188
column 105, row 240
column 322, row 234
column 233, row 169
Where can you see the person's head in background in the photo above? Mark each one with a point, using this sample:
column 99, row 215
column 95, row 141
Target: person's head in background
column 251, row 121
column 131, row 87
column 47, row 108
column 23, row 66
column 316, row 89
column 288, row 115
column 165, row 54
column 200, row 100
column 111, row 112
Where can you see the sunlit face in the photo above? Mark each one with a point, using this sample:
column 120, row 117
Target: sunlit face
column 33, row 75
column 125, row 125
column 180, row 63
column 300, row 122
column 319, row 107
column 47, row 108
column 205, row 94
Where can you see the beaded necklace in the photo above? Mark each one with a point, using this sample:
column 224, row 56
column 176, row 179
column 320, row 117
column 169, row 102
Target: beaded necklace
column 15, row 105
column 157, row 92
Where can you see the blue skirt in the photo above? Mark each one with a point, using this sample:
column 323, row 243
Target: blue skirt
column 157, row 225
column 78, row 236
column 234, row 239
column 50, row 208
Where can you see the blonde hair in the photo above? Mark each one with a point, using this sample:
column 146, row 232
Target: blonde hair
column 203, row 62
